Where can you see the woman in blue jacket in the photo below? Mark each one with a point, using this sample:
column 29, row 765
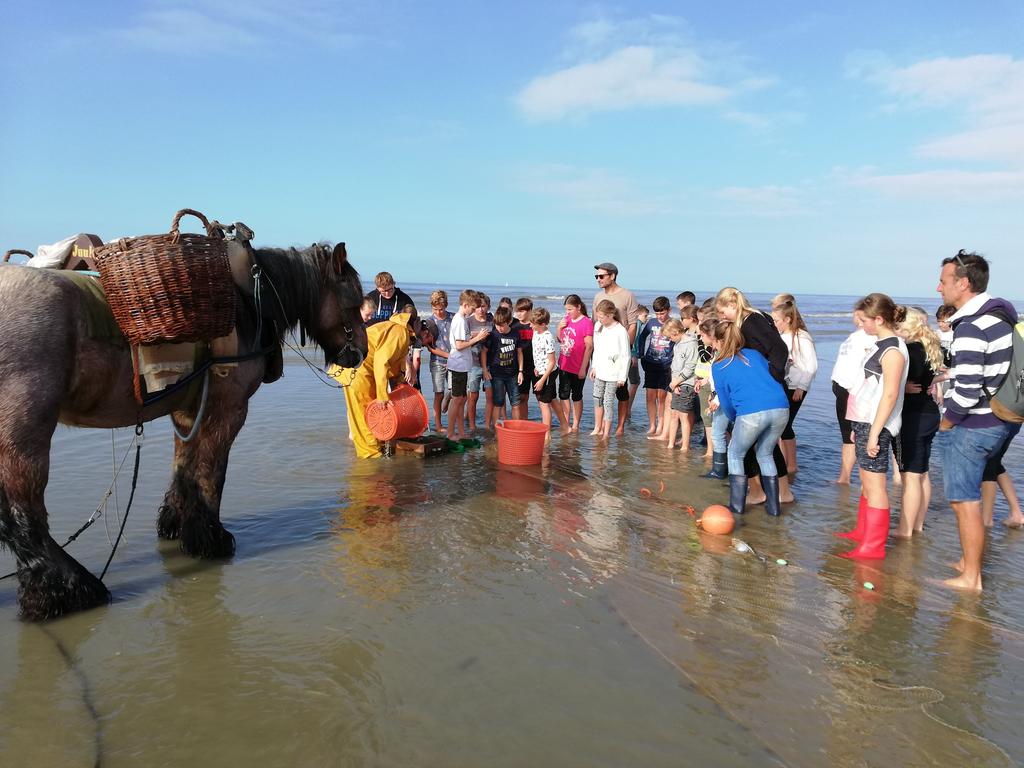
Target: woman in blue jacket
column 756, row 403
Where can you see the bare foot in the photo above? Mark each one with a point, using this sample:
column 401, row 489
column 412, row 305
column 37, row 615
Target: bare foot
column 574, row 428
column 684, row 448
column 789, row 500
column 963, row 584
column 618, row 432
column 1014, row 523
column 595, row 432
column 957, row 566
column 757, row 499
column 901, row 535
column 843, row 481
column 656, row 437
column 652, row 431
column 564, row 429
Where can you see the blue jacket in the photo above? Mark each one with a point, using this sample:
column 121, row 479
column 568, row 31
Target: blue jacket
column 744, row 385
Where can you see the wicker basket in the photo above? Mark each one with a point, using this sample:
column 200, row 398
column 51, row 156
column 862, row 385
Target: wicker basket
column 169, row 288
column 15, row 252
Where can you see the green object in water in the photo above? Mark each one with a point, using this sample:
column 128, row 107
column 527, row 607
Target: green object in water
column 470, row 442
column 453, row 446
column 868, row 585
column 780, row 561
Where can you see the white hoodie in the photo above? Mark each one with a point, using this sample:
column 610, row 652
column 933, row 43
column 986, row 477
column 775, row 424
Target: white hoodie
column 611, row 352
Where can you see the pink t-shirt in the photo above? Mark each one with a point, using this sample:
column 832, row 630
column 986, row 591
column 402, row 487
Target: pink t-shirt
column 571, row 338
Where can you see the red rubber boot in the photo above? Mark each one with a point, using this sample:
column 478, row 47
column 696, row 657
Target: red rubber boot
column 857, row 534
column 872, row 546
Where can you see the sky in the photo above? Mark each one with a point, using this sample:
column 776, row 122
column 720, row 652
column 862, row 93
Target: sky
column 803, row 147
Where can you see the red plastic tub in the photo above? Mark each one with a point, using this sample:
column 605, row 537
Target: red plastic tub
column 403, row 416
column 520, row 442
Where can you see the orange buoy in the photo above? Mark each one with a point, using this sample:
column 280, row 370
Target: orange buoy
column 717, row 519
column 645, row 493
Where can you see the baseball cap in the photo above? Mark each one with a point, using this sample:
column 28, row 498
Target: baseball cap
column 607, row 267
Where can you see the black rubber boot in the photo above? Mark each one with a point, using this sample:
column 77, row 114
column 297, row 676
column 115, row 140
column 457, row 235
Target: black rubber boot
column 719, row 466
column 771, row 491
column 737, row 493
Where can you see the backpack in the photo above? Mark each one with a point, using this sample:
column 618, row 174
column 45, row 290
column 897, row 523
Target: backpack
column 1007, row 402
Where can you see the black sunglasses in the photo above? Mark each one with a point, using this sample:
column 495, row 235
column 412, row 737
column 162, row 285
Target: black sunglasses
column 598, row 277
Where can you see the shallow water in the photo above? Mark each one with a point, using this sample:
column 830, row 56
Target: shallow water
column 451, row 612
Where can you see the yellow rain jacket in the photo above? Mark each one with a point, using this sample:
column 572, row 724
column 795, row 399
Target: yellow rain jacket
column 387, row 345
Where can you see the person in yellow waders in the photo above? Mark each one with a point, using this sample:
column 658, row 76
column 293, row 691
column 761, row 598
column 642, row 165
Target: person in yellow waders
column 387, row 346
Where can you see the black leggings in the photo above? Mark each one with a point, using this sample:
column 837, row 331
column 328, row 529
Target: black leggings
column 842, row 398
column 752, row 469
column 794, row 406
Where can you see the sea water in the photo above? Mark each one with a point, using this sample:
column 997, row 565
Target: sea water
column 451, row 611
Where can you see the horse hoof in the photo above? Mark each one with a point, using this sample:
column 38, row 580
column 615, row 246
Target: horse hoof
column 59, row 592
column 207, row 542
column 168, row 523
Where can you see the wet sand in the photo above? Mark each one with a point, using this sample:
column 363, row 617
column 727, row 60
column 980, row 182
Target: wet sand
column 452, row 612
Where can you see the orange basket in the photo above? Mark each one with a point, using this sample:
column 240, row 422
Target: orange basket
column 520, row 442
column 403, row 416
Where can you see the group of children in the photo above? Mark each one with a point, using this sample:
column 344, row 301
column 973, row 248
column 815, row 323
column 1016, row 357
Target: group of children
column 513, row 352
column 507, row 354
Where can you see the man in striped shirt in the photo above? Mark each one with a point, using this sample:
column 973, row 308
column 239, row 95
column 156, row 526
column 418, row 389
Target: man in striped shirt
column 981, row 350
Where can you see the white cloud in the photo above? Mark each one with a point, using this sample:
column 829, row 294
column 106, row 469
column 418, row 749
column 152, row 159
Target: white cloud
column 986, row 92
column 947, row 185
column 771, row 201
column 997, row 142
column 214, row 26
column 646, row 62
column 592, row 190
column 630, row 77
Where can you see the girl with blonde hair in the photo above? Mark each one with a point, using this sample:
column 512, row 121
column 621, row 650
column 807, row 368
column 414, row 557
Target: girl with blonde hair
column 759, row 333
column 800, row 369
column 753, row 399
column 920, row 419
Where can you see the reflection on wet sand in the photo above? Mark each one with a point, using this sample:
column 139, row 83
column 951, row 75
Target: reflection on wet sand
column 453, row 611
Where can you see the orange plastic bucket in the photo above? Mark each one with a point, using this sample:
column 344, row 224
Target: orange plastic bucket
column 520, row 442
column 403, row 416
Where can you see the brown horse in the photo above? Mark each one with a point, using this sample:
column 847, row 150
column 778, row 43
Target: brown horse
column 54, row 369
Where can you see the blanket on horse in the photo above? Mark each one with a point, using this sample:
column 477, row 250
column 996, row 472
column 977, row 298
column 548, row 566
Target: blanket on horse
column 99, row 320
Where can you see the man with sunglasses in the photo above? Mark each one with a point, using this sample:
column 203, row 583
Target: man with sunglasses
column 607, row 275
column 981, row 350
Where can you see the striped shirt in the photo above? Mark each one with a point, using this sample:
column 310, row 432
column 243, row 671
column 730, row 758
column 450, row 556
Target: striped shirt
column 982, row 348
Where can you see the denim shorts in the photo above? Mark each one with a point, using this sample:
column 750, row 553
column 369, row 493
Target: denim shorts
column 501, row 386
column 964, row 455
column 879, row 463
column 476, row 380
column 439, row 375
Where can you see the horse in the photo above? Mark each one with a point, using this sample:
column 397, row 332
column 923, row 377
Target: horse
column 52, row 370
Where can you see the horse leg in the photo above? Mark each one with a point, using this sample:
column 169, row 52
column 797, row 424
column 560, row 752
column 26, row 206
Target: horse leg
column 50, row 582
column 183, row 472
column 202, row 534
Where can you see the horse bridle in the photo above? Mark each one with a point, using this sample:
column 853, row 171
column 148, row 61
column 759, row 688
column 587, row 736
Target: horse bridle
column 258, row 277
